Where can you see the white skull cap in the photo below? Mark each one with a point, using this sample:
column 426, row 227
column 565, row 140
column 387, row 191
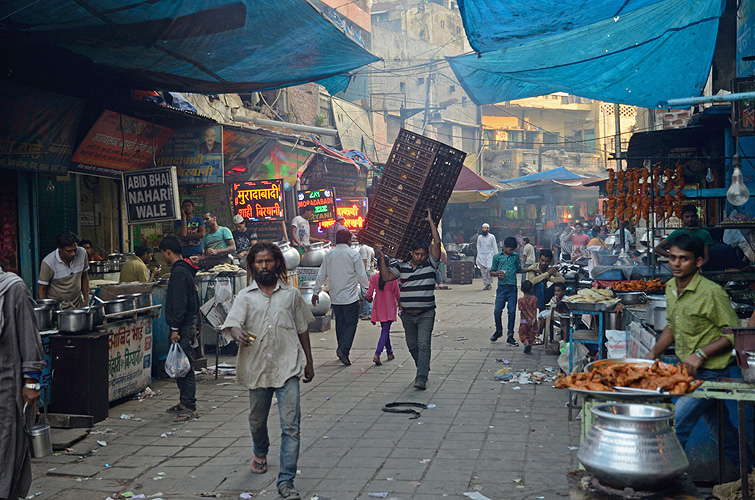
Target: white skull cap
column 486, row 225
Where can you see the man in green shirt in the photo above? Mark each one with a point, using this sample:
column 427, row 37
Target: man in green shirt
column 698, row 313
column 690, row 220
column 135, row 269
column 218, row 243
column 506, row 266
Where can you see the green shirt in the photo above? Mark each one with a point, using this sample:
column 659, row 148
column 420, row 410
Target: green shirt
column 512, row 264
column 700, row 233
column 697, row 317
column 218, row 239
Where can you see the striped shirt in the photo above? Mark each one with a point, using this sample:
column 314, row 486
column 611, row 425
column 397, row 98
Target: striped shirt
column 417, row 285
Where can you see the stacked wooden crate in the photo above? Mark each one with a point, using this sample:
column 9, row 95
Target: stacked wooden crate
column 420, row 174
column 462, row 272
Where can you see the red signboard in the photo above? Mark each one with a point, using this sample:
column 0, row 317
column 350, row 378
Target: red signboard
column 353, row 210
column 120, row 143
column 258, row 200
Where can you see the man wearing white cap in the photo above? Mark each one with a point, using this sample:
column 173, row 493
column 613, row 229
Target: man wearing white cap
column 487, row 247
column 244, row 239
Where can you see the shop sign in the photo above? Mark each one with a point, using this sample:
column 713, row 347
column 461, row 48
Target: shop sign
column 118, row 143
column 151, row 195
column 129, row 357
column 197, row 152
column 744, row 111
column 37, row 129
column 354, row 211
column 258, row 200
column 323, row 200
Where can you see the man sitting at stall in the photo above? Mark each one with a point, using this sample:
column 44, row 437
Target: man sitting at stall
column 217, row 242
column 64, row 273
column 698, row 311
column 87, row 245
column 244, row 237
column 690, row 221
column 541, row 275
column 135, row 269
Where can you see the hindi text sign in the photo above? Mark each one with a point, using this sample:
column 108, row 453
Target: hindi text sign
column 258, row 200
column 323, row 200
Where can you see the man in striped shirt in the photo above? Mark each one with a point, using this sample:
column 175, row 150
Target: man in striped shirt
column 417, row 284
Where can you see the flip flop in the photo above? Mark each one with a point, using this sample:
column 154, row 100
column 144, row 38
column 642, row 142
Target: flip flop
column 259, row 465
column 175, row 409
column 185, row 415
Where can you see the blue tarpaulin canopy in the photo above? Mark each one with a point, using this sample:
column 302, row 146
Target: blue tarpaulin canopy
column 210, row 46
column 637, row 52
column 556, row 174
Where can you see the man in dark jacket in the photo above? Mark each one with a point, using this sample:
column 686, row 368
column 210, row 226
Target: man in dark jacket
column 181, row 307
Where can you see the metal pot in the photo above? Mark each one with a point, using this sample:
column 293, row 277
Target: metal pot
column 659, row 318
column 119, row 306
column 53, row 304
column 632, row 445
column 323, row 307
column 98, row 315
column 653, row 301
column 97, row 266
column 140, row 299
column 45, row 317
column 290, row 254
column 75, row 320
column 630, row 298
column 313, row 256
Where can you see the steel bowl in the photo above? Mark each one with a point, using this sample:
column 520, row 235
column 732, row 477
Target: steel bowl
column 45, row 317
column 119, row 306
column 140, row 299
column 75, row 320
column 629, row 298
column 49, row 303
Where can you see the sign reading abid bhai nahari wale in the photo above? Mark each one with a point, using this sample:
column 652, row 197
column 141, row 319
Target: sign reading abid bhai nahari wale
column 323, row 200
column 151, row 195
column 258, row 200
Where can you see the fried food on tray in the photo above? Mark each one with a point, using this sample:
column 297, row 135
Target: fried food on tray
column 669, row 378
column 638, row 285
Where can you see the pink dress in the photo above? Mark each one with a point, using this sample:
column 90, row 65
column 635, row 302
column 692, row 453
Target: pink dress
column 385, row 300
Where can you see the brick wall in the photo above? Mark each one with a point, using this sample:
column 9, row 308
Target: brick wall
column 302, row 101
column 674, row 118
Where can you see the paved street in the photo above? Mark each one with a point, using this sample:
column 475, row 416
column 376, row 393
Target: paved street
column 504, row 440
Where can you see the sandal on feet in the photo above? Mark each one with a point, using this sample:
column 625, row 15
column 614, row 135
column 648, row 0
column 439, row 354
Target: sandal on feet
column 259, row 465
column 288, row 492
column 185, row 415
column 390, row 357
column 376, row 360
column 175, row 409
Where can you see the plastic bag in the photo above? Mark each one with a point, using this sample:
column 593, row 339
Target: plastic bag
column 223, row 290
column 176, row 364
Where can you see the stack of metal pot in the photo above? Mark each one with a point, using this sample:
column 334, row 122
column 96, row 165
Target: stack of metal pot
column 314, row 255
column 290, row 254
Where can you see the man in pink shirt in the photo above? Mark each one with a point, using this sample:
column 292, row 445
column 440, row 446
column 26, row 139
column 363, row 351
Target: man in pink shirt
column 578, row 240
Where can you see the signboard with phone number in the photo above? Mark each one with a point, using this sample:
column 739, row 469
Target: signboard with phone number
column 323, row 201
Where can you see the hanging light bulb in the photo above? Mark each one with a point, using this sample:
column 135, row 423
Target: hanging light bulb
column 646, row 164
column 738, row 194
column 709, row 176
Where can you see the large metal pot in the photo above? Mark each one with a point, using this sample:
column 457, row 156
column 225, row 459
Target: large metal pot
column 119, row 306
column 45, row 317
column 659, row 318
column 98, row 266
column 290, row 254
column 323, row 306
column 313, row 256
column 75, row 320
column 49, row 303
column 653, row 301
column 98, row 315
column 630, row 298
column 140, row 299
column 632, row 445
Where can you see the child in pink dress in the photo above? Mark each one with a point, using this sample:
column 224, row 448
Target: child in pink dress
column 528, row 317
column 386, row 297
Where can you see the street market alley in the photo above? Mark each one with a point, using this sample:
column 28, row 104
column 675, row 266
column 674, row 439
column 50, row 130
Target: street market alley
column 503, row 440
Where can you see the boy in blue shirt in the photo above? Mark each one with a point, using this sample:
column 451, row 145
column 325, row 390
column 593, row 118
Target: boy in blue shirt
column 506, row 266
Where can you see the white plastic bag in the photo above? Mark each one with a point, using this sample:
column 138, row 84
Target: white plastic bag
column 176, row 364
column 223, row 290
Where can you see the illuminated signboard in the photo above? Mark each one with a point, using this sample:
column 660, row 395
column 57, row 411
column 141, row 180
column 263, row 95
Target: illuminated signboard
column 324, row 202
column 353, row 210
column 258, row 200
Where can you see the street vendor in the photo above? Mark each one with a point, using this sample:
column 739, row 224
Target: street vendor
column 135, row 269
column 698, row 311
column 244, row 237
column 690, row 221
column 64, row 273
column 541, row 275
column 218, row 242
column 300, row 236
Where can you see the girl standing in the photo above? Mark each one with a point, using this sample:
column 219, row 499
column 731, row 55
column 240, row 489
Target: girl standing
column 528, row 317
column 386, row 297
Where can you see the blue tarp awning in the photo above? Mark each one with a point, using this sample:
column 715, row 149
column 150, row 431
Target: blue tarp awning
column 637, row 52
column 556, row 174
column 206, row 46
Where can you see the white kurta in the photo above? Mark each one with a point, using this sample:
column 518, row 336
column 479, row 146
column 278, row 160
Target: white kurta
column 487, row 247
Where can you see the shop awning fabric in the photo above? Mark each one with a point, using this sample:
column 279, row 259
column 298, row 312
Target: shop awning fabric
column 203, row 46
column 470, row 188
column 556, row 174
column 636, row 52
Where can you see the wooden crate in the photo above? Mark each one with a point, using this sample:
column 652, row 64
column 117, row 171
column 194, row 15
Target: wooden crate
column 462, row 272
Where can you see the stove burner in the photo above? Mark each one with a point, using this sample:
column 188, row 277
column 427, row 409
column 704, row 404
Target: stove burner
column 597, row 490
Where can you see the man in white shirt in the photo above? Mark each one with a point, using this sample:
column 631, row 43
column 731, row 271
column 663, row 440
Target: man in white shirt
column 300, row 228
column 269, row 320
column 487, row 247
column 332, row 230
column 344, row 269
column 528, row 254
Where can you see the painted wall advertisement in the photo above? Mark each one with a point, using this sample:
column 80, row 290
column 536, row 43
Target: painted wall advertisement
column 258, row 200
column 37, row 129
column 130, row 357
column 354, row 211
column 323, row 200
column 118, row 143
column 151, row 195
column 197, row 152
